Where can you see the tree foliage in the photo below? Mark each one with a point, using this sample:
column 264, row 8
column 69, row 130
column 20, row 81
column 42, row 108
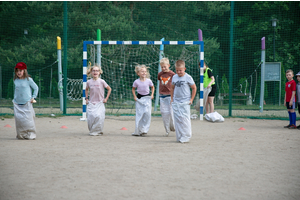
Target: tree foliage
column 139, row 20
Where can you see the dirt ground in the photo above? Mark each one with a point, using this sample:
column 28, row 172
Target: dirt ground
column 220, row 162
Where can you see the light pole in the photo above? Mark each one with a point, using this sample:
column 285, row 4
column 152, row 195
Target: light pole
column 274, row 20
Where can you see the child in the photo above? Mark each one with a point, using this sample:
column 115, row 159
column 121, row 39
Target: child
column 143, row 103
column 290, row 99
column 209, row 81
column 95, row 103
column 23, row 99
column 298, row 93
column 165, row 81
column 181, row 99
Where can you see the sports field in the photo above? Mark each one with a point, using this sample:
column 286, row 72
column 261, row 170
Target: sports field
column 220, row 162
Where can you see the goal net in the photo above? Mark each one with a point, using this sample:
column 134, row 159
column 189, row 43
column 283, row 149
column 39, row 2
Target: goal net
column 119, row 58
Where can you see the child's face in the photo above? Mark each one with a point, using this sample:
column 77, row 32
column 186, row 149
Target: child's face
column 20, row 73
column 180, row 71
column 289, row 76
column 165, row 67
column 95, row 72
column 298, row 78
column 142, row 73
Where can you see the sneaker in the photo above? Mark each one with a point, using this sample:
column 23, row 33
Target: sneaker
column 293, row 127
column 298, row 127
column 288, row 126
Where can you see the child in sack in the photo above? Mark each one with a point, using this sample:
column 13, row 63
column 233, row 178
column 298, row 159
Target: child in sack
column 182, row 98
column 165, row 82
column 23, row 99
column 143, row 100
column 95, row 103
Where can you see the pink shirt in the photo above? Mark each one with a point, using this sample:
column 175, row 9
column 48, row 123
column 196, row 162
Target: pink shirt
column 142, row 87
column 96, row 90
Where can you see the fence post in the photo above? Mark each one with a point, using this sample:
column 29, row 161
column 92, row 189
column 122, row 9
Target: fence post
column 231, row 56
column 262, row 82
column 99, row 48
column 60, row 87
column 65, row 55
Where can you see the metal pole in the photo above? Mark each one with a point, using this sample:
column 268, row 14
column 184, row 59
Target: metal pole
column 99, row 48
column 65, row 55
column 161, row 52
column 274, row 61
column 201, row 89
column 231, row 56
column 60, row 87
column 262, row 82
column 40, row 88
column 0, row 82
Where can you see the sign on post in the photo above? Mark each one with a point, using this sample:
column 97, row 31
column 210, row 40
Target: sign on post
column 273, row 73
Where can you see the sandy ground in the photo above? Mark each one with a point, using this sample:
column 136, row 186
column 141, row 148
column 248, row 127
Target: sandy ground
column 220, row 162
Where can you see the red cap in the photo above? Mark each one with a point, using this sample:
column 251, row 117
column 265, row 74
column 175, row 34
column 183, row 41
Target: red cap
column 21, row 66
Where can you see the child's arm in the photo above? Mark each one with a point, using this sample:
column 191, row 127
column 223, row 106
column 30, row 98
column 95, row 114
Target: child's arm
column 292, row 98
column 108, row 93
column 194, row 89
column 133, row 92
column 86, row 95
column 172, row 92
column 284, row 100
column 152, row 92
column 35, row 88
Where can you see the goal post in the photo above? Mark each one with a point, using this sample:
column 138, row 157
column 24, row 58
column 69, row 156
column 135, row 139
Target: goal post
column 85, row 63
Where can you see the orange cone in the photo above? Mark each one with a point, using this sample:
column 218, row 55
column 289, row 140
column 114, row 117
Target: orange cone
column 242, row 129
column 124, row 129
column 63, row 127
column 7, row 125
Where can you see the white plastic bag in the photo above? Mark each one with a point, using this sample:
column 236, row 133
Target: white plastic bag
column 143, row 108
column 183, row 127
column 206, row 92
column 24, row 118
column 167, row 114
column 95, row 118
column 214, row 117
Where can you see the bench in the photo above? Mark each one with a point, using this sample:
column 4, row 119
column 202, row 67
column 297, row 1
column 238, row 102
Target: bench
column 235, row 97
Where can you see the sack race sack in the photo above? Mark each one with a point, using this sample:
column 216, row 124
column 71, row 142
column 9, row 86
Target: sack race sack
column 24, row 119
column 143, row 108
column 214, row 117
column 167, row 114
column 95, row 118
column 183, row 127
column 206, row 92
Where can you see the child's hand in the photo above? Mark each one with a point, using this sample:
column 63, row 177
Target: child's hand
column 284, row 104
column 104, row 100
column 135, row 98
column 191, row 101
column 32, row 100
column 291, row 103
column 152, row 97
column 87, row 101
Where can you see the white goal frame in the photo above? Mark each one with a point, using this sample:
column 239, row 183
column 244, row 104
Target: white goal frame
column 84, row 77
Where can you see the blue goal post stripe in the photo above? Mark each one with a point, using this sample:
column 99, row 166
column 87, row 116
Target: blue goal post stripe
column 146, row 42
